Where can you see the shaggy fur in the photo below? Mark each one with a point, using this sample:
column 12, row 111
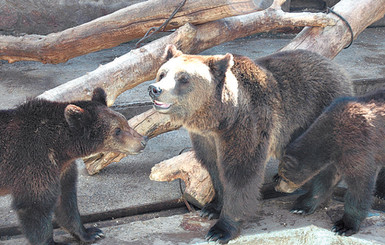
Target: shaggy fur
column 239, row 113
column 39, row 142
column 350, row 137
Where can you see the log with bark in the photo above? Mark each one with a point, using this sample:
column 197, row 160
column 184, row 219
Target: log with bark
column 325, row 40
column 121, row 26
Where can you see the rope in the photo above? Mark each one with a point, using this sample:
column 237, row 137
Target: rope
column 154, row 29
column 329, row 10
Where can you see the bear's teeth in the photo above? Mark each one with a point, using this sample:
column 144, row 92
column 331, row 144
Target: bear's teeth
column 160, row 104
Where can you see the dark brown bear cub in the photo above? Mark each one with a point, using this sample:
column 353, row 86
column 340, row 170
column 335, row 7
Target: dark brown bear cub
column 40, row 140
column 239, row 113
column 349, row 136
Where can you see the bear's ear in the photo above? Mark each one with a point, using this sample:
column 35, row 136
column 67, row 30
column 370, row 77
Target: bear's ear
column 75, row 117
column 219, row 65
column 100, row 96
column 171, row 52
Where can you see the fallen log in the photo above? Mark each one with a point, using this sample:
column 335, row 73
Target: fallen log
column 140, row 65
column 199, row 188
column 121, row 26
column 329, row 41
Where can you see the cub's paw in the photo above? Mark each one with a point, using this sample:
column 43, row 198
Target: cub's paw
column 223, row 231
column 92, row 234
column 342, row 229
column 211, row 211
column 304, row 205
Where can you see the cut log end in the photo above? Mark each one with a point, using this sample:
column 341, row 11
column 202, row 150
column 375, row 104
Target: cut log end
column 199, row 189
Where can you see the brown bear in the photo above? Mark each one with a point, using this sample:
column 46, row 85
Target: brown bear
column 350, row 136
column 239, row 113
column 40, row 140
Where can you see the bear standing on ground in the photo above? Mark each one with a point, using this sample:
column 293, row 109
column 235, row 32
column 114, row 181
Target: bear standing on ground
column 39, row 143
column 350, row 136
column 239, row 113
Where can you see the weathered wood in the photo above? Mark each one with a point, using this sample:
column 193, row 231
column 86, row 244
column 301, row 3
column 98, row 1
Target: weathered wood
column 141, row 64
column 329, row 41
column 187, row 168
column 121, row 26
column 125, row 72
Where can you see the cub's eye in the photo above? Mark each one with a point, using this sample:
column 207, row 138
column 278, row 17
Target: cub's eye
column 118, row 131
column 161, row 75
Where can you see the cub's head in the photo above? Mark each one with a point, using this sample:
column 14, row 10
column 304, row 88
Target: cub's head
column 290, row 176
column 186, row 83
column 101, row 128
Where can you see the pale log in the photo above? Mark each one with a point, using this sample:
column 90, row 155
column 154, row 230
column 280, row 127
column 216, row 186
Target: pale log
column 140, row 65
column 329, row 41
column 121, row 26
column 199, row 188
column 125, row 72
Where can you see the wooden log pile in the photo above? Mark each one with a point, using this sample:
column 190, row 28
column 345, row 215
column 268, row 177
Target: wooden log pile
column 202, row 25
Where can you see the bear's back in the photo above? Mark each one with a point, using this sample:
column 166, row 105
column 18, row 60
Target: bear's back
column 307, row 83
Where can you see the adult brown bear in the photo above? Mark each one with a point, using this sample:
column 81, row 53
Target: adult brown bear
column 350, row 136
column 239, row 113
column 39, row 142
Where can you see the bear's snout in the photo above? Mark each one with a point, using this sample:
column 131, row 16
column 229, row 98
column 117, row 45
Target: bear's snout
column 154, row 91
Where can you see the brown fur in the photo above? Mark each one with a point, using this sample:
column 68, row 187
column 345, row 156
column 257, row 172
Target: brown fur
column 349, row 136
column 39, row 143
column 239, row 113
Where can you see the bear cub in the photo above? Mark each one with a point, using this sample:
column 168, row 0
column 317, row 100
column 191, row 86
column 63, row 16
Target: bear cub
column 349, row 136
column 39, row 143
column 241, row 112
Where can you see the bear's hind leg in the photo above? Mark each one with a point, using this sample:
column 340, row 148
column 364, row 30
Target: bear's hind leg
column 358, row 200
column 67, row 213
column 319, row 189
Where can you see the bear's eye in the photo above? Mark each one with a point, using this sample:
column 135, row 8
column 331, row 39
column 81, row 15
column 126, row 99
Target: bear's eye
column 161, row 75
column 118, row 131
column 183, row 79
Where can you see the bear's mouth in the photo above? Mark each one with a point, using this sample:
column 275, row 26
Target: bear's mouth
column 161, row 105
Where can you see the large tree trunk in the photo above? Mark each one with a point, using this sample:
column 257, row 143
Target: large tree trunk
column 121, row 26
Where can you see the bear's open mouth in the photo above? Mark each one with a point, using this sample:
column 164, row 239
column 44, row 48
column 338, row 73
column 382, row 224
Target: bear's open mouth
column 161, row 105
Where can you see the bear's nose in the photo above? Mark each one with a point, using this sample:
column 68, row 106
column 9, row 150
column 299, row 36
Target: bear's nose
column 154, row 91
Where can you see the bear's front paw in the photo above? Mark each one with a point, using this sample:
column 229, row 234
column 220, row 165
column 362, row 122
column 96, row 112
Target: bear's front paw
column 211, row 210
column 223, row 231
column 92, row 234
column 341, row 228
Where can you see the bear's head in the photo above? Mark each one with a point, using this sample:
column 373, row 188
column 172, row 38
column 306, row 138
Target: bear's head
column 290, row 175
column 186, row 84
column 102, row 128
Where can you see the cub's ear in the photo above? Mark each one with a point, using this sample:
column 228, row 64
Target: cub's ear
column 219, row 64
column 171, row 52
column 75, row 117
column 100, row 96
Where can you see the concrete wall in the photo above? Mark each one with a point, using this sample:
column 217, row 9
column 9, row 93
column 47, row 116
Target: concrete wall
column 46, row 16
